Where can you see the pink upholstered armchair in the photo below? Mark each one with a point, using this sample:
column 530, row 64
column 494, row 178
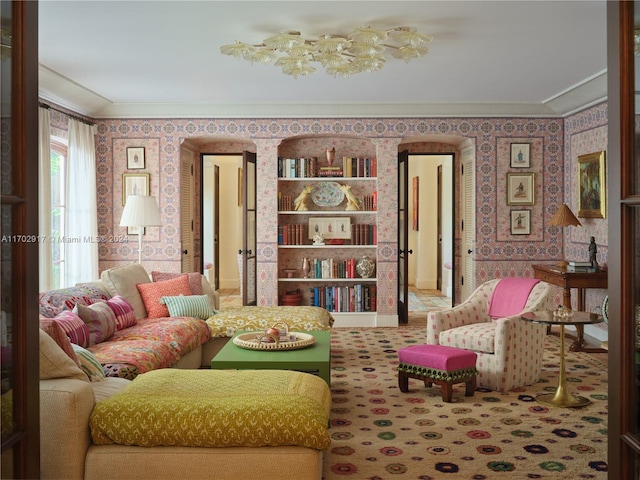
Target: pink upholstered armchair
column 509, row 349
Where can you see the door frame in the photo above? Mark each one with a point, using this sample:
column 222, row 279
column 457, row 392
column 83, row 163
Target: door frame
column 403, row 283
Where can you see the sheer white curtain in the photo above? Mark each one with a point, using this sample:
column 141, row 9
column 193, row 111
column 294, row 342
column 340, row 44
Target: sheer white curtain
column 81, row 249
column 44, row 201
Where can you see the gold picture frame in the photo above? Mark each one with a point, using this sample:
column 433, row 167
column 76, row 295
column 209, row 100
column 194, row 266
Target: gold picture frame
column 134, row 184
column 592, row 184
column 520, row 188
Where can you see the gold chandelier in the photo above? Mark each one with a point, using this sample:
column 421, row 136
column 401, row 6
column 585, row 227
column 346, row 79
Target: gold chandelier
column 361, row 51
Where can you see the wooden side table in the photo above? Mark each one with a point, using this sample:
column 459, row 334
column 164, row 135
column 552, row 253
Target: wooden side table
column 580, row 281
column 562, row 397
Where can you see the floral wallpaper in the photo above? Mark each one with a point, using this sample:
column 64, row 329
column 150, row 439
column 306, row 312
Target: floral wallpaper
column 555, row 145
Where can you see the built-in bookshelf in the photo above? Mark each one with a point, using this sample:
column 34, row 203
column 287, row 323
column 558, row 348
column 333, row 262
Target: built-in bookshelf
column 315, row 198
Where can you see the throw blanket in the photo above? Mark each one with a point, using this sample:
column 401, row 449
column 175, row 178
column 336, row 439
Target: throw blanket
column 216, row 408
column 510, row 296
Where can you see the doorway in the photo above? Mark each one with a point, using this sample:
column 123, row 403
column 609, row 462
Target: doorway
column 221, row 235
column 428, row 185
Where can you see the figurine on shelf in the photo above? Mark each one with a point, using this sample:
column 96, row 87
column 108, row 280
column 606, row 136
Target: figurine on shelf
column 318, row 239
column 352, row 202
column 593, row 250
column 300, row 203
column 331, row 155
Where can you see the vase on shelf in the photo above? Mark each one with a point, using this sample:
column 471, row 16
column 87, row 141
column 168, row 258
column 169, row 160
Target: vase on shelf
column 331, row 155
column 305, row 267
column 365, row 267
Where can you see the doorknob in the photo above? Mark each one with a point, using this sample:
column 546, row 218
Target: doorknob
column 469, row 251
column 240, row 252
column 185, row 252
column 410, row 252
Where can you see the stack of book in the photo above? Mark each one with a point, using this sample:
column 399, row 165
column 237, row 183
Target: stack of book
column 332, row 171
column 579, row 266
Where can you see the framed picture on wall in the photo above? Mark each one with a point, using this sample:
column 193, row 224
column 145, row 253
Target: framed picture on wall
column 520, row 222
column 520, row 155
column 135, row 158
column 592, row 185
column 520, row 188
column 135, row 230
column 134, row 184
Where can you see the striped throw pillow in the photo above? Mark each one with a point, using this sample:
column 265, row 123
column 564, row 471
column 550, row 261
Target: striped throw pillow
column 197, row 306
column 89, row 364
column 125, row 314
column 99, row 318
column 74, row 327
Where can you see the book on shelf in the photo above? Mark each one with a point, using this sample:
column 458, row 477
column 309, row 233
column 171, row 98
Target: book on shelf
column 344, row 299
column 306, row 167
column 573, row 268
column 359, row 167
column 573, row 263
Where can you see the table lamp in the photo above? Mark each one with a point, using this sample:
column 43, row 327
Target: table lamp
column 140, row 211
column 564, row 217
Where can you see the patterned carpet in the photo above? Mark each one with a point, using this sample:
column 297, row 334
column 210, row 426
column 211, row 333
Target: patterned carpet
column 380, row 433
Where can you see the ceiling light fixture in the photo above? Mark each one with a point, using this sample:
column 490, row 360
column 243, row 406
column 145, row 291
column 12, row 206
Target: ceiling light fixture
column 361, row 51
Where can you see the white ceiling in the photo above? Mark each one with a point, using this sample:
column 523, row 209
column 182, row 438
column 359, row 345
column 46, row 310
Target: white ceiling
column 162, row 58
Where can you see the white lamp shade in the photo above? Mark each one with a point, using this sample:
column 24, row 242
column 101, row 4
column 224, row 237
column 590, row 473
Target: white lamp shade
column 141, row 211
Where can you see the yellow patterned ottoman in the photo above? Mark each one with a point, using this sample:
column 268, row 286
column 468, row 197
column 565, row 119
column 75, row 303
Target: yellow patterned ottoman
column 230, row 320
column 216, row 408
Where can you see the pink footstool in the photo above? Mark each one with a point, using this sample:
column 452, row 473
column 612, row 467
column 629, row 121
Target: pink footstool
column 437, row 364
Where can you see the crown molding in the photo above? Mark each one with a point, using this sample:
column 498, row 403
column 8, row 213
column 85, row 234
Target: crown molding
column 61, row 91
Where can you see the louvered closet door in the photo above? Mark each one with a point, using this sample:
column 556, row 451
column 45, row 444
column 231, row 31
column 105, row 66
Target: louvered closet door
column 469, row 222
column 186, row 210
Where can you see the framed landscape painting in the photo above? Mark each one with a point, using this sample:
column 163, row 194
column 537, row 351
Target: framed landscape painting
column 592, row 184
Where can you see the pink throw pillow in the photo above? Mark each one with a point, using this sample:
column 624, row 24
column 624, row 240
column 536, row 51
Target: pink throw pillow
column 74, row 327
column 151, row 294
column 195, row 279
column 124, row 312
column 52, row 328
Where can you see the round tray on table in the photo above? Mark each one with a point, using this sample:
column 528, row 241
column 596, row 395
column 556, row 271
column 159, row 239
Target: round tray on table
column 250, row 341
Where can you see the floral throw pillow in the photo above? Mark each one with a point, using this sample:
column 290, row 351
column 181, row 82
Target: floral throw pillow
column 195, row 279
column 151, row 294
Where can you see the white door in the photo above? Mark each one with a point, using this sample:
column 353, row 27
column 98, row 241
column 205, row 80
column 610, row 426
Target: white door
column 468, row 221
column 186, row 209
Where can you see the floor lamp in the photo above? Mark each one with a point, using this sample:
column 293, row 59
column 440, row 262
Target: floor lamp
column 140, row 211
column 564, row 217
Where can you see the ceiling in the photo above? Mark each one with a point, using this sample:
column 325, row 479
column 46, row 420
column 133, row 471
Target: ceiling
column 122, row 59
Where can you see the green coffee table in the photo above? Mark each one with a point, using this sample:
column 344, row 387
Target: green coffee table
column 315, row 358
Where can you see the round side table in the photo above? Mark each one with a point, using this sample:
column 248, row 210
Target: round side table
column 562, row 397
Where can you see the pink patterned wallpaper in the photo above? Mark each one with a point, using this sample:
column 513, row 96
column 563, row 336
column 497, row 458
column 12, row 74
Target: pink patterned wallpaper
column 555, row 144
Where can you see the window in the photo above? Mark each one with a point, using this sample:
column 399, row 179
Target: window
column 58, row 210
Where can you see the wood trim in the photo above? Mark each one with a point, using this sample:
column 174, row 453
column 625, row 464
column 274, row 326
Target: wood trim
column 623, row 448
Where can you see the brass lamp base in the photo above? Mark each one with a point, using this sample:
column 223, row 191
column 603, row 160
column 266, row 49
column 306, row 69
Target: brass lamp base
column 562, row 398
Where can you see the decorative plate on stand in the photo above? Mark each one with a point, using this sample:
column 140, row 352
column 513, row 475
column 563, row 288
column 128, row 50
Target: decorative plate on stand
column 253, row 341
column 327, row 194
